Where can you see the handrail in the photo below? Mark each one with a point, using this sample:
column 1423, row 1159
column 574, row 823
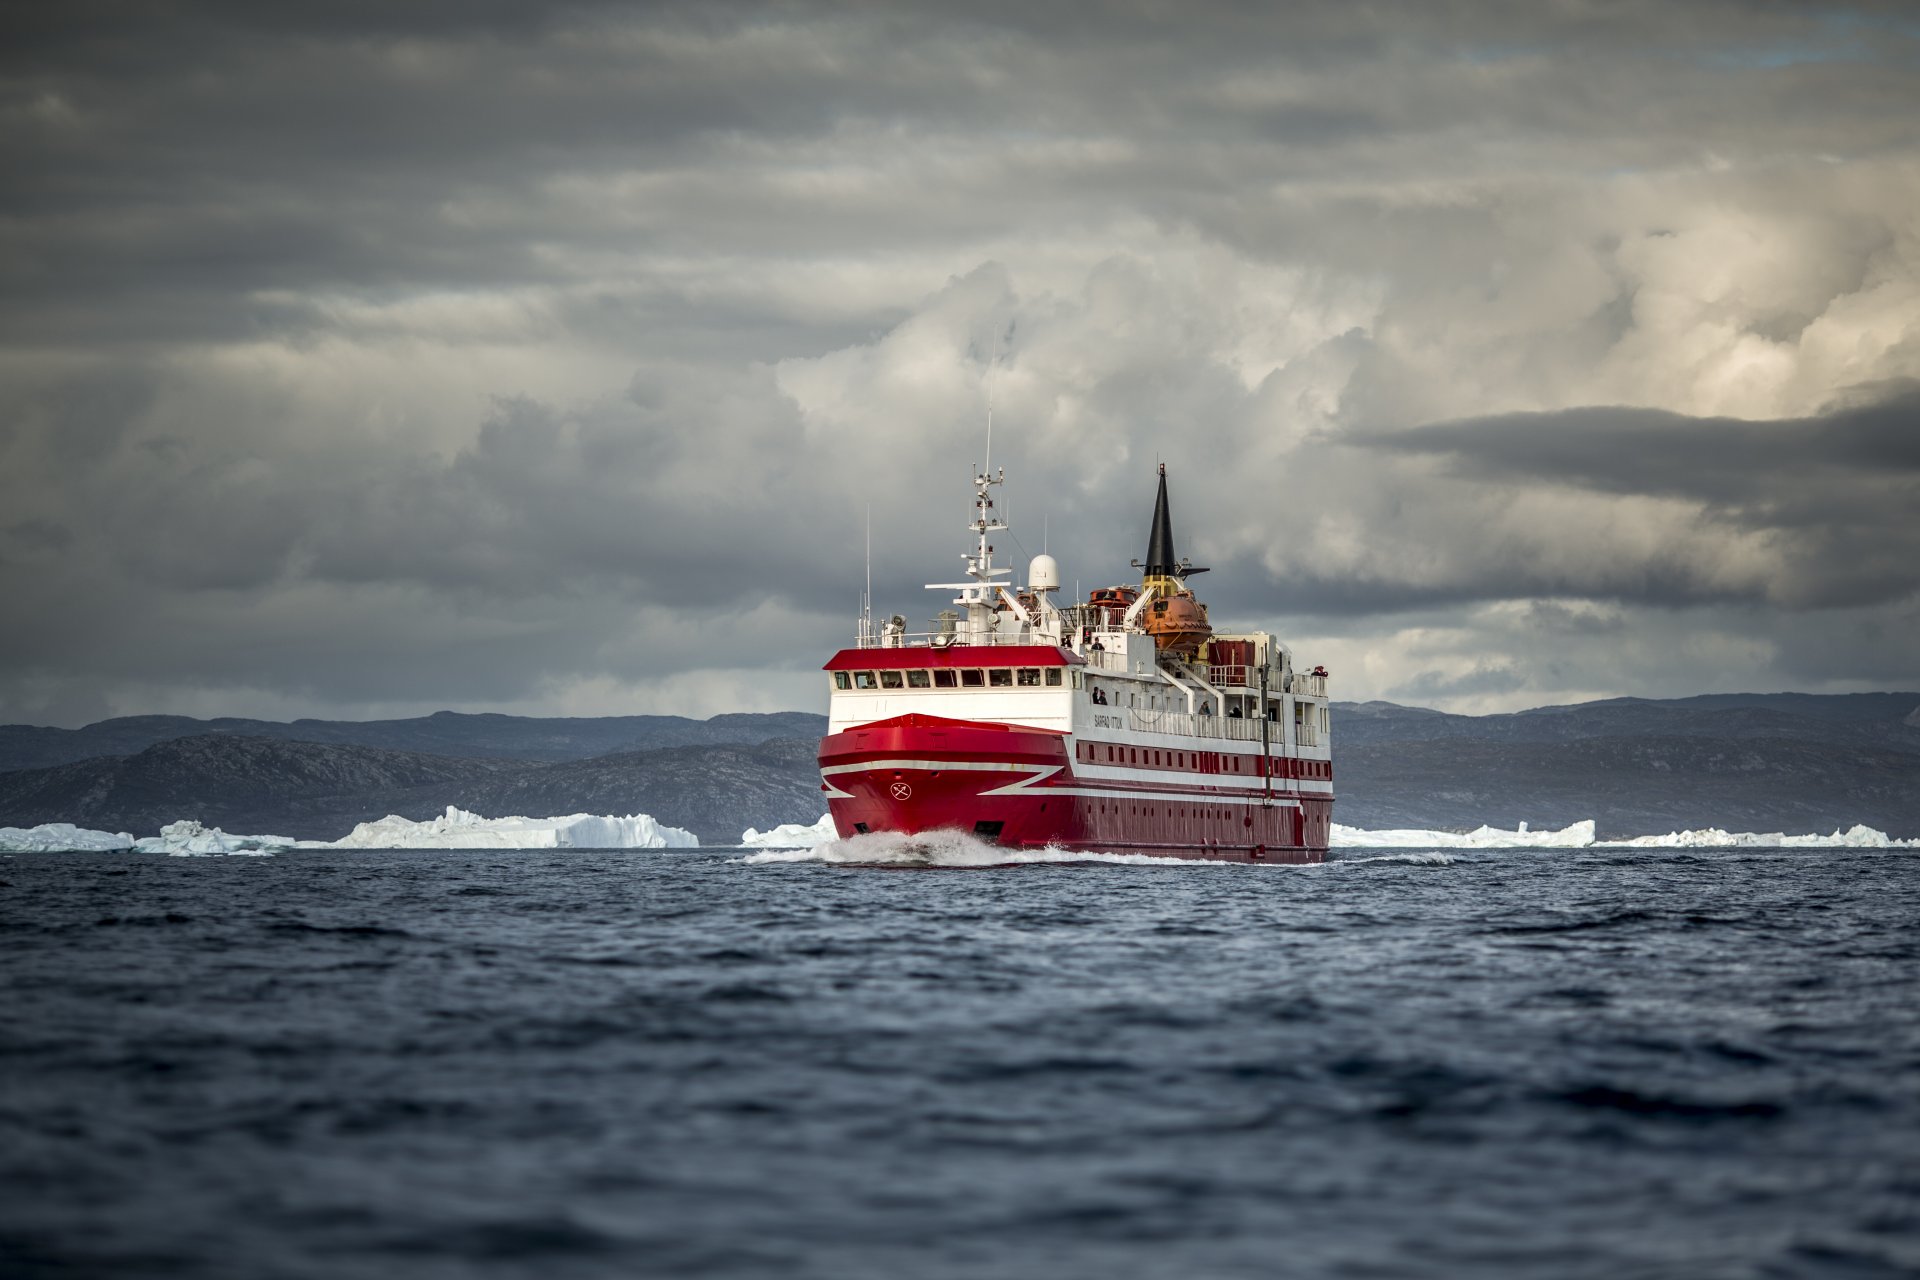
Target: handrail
column 945, row 639
column 1231, row 728
column 1107, row 660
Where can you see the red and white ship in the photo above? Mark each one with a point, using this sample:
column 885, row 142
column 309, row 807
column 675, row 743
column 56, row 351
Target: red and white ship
column 1123, row 724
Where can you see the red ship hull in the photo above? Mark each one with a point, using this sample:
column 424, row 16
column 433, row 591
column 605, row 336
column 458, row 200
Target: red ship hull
column 1019, row 787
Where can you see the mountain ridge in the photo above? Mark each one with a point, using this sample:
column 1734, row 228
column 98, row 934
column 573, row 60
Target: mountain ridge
column 1760, row 762
column 320, row 791
column 448, row 733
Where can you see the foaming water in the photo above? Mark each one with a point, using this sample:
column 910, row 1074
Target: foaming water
column 1417, row 858
column 729, row 1063
column 949, row 849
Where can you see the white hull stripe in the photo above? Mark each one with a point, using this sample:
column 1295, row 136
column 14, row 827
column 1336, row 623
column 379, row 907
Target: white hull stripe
column 1036, row 773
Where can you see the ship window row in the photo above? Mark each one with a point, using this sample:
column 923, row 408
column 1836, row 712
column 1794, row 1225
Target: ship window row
column 951, row 678
column 1112, row 754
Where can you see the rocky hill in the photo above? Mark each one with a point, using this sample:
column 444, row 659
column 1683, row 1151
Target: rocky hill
column 1753, row 762
column 1758, row 762
column 444, row 733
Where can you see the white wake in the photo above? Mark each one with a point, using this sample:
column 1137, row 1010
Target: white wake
column 947, row 849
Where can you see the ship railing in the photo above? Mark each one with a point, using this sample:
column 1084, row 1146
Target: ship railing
column 1106, row 659
column 1224, row 675
column 1306, row 735
column 1186, row 724
column 1093, row 617
column 944, row 639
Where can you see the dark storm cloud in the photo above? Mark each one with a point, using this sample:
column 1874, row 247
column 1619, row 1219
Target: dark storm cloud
column 478, row 352
column 192, row 158
column 1836, row 492
column 1725, row 461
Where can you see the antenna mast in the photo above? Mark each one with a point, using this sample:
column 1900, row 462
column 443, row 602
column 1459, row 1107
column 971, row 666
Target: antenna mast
column 980, row 594
column 865, row 637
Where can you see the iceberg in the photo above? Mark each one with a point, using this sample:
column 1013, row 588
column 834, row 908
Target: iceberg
column 1858, row 836
column 183, row 839
column 1577, row 836
column 458, row 829
column 62, row 837
column 1580, row 835
column 188, row 839
column 791, row 835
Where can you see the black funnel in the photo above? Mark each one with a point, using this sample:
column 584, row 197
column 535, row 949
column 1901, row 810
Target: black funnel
column 1161, row 562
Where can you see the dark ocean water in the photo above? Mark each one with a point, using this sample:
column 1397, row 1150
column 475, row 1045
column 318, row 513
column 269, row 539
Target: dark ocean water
column 1513, row 1063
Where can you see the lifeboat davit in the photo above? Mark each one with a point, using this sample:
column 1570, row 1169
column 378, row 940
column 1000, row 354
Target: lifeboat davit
column 1178, row 624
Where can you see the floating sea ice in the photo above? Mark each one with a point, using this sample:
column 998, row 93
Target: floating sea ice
column 791, row 835
column 1581, row 836
column 185, row 838
column 1577, row 836
column 62, row 837
column 189, row 839
column 458, row 829
column 1858, row 836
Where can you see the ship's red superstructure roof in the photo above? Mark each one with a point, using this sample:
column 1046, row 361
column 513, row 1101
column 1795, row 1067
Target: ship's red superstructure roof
column 959, row 655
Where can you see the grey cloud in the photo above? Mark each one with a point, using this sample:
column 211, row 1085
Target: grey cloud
column 485, row 352
column 1718, row 460
column 1835, row 493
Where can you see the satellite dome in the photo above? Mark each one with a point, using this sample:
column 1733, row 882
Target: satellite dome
column 1043, row 574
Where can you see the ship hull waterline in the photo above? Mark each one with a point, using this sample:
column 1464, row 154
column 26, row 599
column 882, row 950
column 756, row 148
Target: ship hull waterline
column 1018, row 788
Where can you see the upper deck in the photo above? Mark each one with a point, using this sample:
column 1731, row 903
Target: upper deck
column 1125, row 662
column 1126, row 690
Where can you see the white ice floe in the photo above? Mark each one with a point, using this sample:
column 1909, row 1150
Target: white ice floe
column 1580, row 835
column 188, row 839
column 62, row 837
column 1577, row 836
column 791, row 835
column 1857, row 836
column 184, row 839
column 458, row 829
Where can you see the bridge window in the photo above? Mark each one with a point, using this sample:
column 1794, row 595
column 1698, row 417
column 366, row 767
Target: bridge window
column 1029, row 677
column 865, row 680
column 918, row 680
column 1053, row 677
column 1000, row 677
column 891, row 680
column 944, row 680
column 841, row 680
column 971, row 678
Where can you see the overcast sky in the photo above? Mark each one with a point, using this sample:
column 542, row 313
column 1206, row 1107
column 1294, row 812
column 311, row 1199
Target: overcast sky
column 382, row 358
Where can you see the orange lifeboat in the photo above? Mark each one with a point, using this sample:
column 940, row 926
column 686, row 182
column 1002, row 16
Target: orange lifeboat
column 1178, row 624
column 1111, row 603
